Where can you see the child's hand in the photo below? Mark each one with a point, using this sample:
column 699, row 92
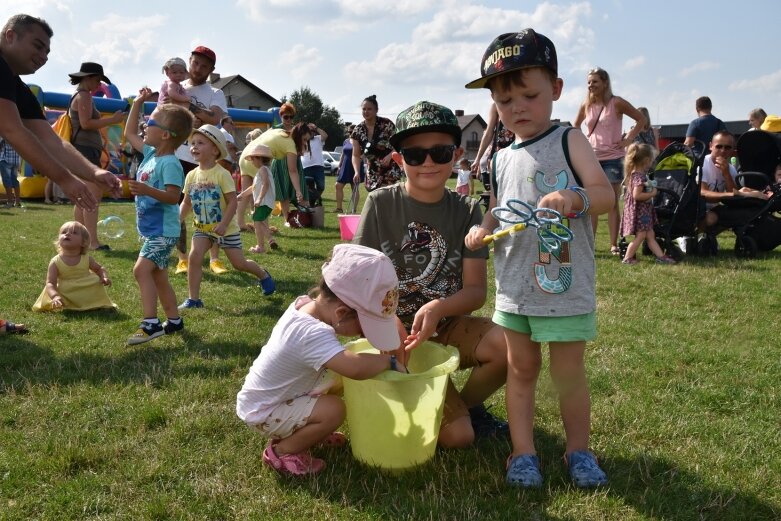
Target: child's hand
column 220, row 229
column 474, row 239
column 562, row 201
column 117, row 117
column 57, row 302
column 137, row 187
column 144, row 94
column 424, row 325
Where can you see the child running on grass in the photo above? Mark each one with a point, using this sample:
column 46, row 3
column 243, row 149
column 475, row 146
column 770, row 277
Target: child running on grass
column 74, row 280
column 545, row 286
column 209, row 191
column 639, row 215
column 263, row 196
column 157, row 188
column 284, row 395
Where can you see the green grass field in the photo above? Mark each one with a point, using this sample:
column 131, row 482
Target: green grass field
column 684, row 384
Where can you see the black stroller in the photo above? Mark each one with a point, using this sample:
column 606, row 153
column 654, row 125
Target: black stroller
column 676, row 171
column 754, row 221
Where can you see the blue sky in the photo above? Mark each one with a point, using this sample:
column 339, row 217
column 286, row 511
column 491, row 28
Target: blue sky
column 661, row 55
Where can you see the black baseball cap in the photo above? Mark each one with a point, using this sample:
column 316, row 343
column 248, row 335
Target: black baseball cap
column 515, row 51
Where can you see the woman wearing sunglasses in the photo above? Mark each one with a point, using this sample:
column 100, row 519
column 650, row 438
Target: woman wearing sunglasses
column 370, row 140
column 86, row 137
column 602, row 112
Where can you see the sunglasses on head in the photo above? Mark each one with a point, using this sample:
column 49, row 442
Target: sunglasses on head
column 722, row 147
column 440, row 154
column 152, row 123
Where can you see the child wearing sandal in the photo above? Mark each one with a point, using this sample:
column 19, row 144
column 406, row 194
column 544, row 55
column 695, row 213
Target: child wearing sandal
column 74, row 280
column 545, row 284
column 263, row 195
column 639, row 215
column 284, row 395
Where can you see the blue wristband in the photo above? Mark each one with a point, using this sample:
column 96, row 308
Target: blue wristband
column 586, row 203
column 393, row 365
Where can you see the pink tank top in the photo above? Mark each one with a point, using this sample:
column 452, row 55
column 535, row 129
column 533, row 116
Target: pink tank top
column 604, row 130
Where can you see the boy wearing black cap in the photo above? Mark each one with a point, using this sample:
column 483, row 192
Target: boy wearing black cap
column 544, row 279
column 421, row 226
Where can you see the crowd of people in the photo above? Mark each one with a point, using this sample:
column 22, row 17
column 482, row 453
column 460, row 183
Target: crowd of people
column 417, row 267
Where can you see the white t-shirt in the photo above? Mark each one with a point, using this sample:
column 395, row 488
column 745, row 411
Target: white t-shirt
column 463, row 177
column 206, row 97
column 713, row 177
column 290, row 364
column 315, row 155
column 264, row 175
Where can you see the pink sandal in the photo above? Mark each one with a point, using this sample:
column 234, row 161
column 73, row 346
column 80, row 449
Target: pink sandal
column 256, row 249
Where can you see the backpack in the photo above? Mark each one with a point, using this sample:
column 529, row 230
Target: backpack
column 63, row 126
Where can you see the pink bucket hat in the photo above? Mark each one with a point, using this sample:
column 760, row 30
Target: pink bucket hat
column 364, row 279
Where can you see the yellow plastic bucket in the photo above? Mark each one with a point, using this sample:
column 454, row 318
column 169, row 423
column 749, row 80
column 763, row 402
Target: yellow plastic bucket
column 394, row 418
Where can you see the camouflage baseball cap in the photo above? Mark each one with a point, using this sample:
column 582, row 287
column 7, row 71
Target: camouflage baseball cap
column 425, row 116
column 515, row 51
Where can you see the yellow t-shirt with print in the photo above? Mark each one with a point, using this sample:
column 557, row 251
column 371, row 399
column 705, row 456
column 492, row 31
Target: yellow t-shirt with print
column 207, row 189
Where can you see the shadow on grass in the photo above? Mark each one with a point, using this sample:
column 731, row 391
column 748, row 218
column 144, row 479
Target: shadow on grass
column 653, row 487
column 23, row 363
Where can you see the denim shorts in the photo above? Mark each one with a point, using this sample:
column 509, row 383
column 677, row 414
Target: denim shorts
column 614, row 170
column 158, row 250
column 8, row 171
column 550, row 329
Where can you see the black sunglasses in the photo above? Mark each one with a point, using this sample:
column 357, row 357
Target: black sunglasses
column 440, row 154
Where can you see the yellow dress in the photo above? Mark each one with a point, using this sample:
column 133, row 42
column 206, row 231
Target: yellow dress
column 79, row 288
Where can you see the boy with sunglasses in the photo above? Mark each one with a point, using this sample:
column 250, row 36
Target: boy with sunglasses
column 420, row 225
column 157, row 187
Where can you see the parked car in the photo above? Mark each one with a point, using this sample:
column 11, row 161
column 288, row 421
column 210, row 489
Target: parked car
column 330, row 163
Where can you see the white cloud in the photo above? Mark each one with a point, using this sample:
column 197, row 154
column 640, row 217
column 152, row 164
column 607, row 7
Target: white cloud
column 300, row 61
column 634, row 63
column 448, row 47
column 699, row 67
column 768, row 82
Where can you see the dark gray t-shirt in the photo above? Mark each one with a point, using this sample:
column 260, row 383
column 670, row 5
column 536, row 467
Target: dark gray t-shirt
column 425, row 241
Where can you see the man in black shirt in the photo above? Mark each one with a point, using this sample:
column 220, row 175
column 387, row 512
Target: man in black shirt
column 24, row 48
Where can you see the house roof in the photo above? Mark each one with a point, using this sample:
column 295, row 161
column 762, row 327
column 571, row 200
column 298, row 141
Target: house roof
column 465, row 120
column 221, row 82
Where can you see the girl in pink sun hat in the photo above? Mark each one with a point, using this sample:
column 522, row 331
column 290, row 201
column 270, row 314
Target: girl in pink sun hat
column 284, row 395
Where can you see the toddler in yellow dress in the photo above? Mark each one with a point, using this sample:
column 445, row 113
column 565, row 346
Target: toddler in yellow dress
column 74, row 280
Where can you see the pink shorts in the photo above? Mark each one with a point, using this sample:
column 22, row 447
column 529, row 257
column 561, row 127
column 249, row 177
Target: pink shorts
column 463, row 189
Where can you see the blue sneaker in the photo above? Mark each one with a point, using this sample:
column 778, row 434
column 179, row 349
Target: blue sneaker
column 190, row 303
column 268, row 285
column 584, row 469
column 146, row 332
column 524, row 471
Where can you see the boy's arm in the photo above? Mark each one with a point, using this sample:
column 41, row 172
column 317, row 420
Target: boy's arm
column 474, row 239
column 230, row 212
column 168, row 196
column 186, row 206
column 131, row 126
column 463, row 302
column 597, row 189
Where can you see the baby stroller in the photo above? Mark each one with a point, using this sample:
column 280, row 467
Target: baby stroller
column 677, row 204
column 752, row 220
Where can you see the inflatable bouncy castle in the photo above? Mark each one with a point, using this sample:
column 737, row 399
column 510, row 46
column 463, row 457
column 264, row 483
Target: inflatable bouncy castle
column 116, row 156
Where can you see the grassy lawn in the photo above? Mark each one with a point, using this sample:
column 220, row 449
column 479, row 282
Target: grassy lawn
column 684, row 379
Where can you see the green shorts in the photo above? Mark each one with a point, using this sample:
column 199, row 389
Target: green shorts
column 550, row 329
column 261, row 213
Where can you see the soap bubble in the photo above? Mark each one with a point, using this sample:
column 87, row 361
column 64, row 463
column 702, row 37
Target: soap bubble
column 112, row 227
